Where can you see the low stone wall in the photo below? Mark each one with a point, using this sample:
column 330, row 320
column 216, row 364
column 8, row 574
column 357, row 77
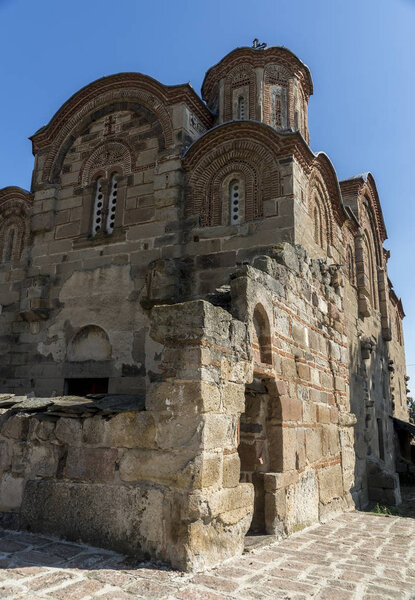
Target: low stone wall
column 162, row 482
column 67, row 471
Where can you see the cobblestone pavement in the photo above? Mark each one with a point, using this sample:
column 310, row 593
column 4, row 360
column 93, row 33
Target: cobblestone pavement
column 358, row 555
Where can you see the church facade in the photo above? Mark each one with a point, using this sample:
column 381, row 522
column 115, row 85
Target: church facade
column 198, row 336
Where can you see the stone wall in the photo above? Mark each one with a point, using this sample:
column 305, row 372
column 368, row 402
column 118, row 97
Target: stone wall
column 176, row 467
column 163, row 481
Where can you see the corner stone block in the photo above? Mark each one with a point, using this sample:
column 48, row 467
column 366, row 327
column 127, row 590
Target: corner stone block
column 232, row 504
column 179, row 431
column 219, row 432
column 183, row 397
column 330, row 483
column 231, row 470
column 233, row 397
column 189, row 321
column 132, row 430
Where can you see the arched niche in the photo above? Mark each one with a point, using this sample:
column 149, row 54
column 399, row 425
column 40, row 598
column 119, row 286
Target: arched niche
column 90, row 343
column 261, row 336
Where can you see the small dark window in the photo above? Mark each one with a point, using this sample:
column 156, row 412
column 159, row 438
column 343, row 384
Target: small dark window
column 82, row 387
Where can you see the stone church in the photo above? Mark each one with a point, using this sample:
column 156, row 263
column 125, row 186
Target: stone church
column 198, row 335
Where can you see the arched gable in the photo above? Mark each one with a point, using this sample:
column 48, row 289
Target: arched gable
column 362, row 197
column 318, row 201
column 371, row 215
column 322, row 165
column 243, row 148
column 128, row 91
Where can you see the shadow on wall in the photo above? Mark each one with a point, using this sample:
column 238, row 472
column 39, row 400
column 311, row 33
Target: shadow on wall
column 371, row 400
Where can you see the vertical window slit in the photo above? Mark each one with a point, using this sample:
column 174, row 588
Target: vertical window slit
column 112, row 204
column 98, row 208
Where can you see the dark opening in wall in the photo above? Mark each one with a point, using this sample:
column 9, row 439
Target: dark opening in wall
column 380, row 440
column 82, row 387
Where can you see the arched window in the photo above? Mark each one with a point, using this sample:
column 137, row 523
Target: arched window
column 318, row 229
column 371, row 271
column 12, row 238
column 350, row 266
column 105, row 205
column 98, row 211
column 236, row 201
column 9, row 246
column 277, row 111
column 241, row 108
column 112, row 203
column 261, row 336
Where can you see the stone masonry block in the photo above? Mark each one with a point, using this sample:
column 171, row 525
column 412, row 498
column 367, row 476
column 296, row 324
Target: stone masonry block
column 233, row 397
column 183, row 397
column 231, row 470
column 94, row 464
column 330, row 483
column 313, row 444
column 11, row 492
column 132, row 430
column 69, row 431
column 287, row 409
column 157, row 466
column 16, row 427
column 189, row 321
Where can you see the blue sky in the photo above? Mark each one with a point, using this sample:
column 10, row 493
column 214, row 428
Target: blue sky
column 361, row 55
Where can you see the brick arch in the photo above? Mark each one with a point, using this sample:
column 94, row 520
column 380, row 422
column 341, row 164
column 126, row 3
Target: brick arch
column 317, row 194
column 276, row 75
column 370, row 222
column 56, row 156
column 213, row 210
column 239, row 76
column 121, row 92
column 206, row 169
column 114, row 154
column 371, row 266
column 323, row 168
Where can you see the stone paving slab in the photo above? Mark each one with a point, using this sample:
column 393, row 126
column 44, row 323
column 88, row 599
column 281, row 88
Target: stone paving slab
column 358, row 556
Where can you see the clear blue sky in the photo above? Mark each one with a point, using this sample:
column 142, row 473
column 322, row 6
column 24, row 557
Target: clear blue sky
column 361, row 54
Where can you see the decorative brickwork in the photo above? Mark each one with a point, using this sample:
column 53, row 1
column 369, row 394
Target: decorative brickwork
column 241, row 76
column 321, row 210
column 246, row 156
column 112, row 155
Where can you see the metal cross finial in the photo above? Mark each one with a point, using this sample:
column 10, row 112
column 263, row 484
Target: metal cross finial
column 257, row 45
